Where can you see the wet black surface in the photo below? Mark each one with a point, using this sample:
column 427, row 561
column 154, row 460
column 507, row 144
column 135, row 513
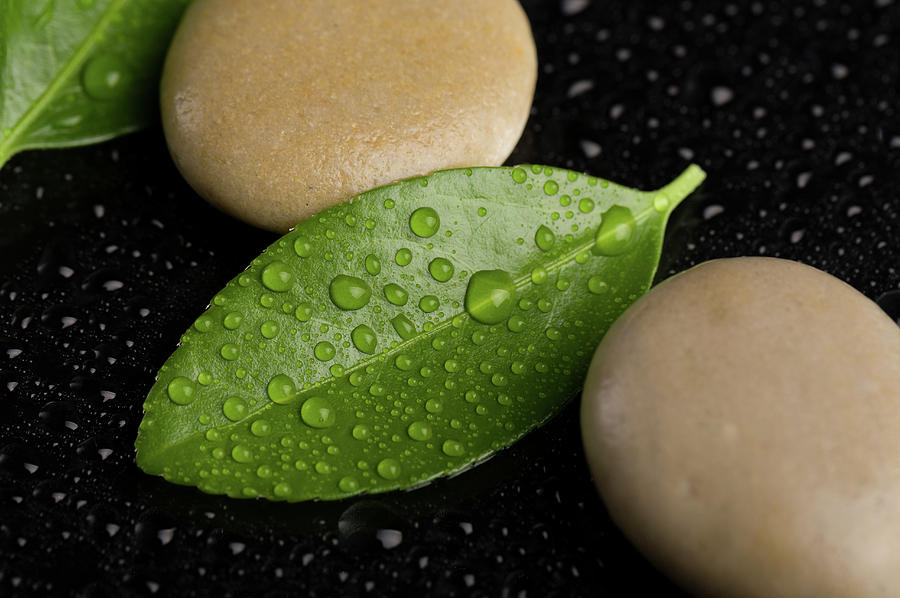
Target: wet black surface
column 106, row 256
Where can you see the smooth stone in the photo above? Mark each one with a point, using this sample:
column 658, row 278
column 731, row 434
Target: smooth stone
column 742, row 424
column 276, row 110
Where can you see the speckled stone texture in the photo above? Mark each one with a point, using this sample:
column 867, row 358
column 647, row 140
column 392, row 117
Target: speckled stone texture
column 107, row 256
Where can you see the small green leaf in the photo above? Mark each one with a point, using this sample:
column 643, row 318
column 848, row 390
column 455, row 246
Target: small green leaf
column 308, row 377
column 78, row 71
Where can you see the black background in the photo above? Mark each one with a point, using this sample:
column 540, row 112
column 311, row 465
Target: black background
column 106, row 256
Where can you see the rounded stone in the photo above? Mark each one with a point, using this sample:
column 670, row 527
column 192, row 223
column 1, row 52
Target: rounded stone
column 742, row 423
column 276, row 110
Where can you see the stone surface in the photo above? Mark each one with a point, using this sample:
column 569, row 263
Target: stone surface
column 276, row 110
column 742, row 422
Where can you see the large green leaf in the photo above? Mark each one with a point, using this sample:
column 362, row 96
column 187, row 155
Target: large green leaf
column 404, row 335
column 78, row 71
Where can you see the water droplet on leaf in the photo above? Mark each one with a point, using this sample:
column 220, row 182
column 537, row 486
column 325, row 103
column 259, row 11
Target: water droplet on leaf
column 424, row 222
column 235, row 408
column 281, row 389
column 490, row 296
column 181, row 390
column 544, row 238
column 403, row 257
column 317, row 412
column 396, row 294
column 453, row 448
column 303, row 247
column 389, row 469
column 616, row 232
column 277, row 277
column 364, row 339
column 419, row 430
column 105, row 77
column 324, row 351
column 404, row 327
column 349, row 292
column 241, row 454
column 441, row 269
column 373, row 264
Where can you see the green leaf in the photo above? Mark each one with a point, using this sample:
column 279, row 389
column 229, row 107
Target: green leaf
column 404, row 335
column 79, row 71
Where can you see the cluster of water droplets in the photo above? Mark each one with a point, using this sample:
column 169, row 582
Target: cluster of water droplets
column 377, row 350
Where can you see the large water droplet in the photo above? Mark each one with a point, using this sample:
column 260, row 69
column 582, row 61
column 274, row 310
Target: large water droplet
column 105, row 77
column 269, row 329
column 516, row 323
column 424, row 222
column 348, row 484
column 203, row 324
column 389, row 469
column 241, row 454
column 303, row 247
column 551, row 187
column 419, row 430
column 282, row 490
column 324, row 351
column 364, row 339
column 349, row 292
column 429, row 303
column 396, row 294
column 404, row 362
column 597, row 286
column 260, row 428
column 303, row 312
column 281, row 389
column 544, row 238
column 277, row 277
column 360, row 431
column 317, row 412
column 440, row 269
column 373, row 264
column 404, row 327
column 235, row 408
column 616, row 232
column 230, row 351
column 453, row 448
column 403, row 257
column 519, row 175
column 490, row 296
column 181, row 390
column 233, row 320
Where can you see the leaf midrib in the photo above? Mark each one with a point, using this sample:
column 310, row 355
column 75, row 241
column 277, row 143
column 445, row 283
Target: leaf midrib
column 685, row 179
column 76, row 60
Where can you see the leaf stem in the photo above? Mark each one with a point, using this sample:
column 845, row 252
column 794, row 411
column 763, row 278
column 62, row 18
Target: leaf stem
column 683, row 185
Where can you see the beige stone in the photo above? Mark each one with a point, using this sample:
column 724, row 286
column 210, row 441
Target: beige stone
column 276, row 109
column 742, row 423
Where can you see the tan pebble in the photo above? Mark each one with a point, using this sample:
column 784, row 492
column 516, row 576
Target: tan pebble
column 742, row 423
column 276, row 110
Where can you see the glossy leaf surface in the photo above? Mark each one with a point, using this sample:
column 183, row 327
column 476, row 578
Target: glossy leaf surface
column 404, row 335
column 79, row 71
